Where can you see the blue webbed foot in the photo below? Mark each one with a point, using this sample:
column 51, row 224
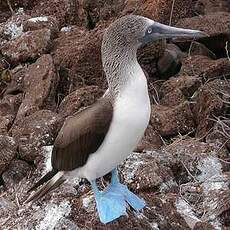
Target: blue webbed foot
column 110, row 204
column 133, row 200
column 116, row 187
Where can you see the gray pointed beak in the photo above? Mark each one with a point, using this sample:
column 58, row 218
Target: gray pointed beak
column 160, row 31
column 164, row 31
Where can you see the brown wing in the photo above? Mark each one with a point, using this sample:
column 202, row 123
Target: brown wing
column 81, row 135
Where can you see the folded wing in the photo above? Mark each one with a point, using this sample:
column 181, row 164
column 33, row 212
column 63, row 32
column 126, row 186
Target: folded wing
column 81, row 135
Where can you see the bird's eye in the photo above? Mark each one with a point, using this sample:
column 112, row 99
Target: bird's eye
column 149, row 30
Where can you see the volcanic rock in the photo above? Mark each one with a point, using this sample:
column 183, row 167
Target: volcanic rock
column 40, row 83
column 16, row 84
column 73, row 51
column 13, row 27
column 205, row 67
column 219, row 69
column 38, row 23
column 170, row 62
column 193, row 65
column 210, row 6
column 159, row 10
column 150, row 141
column 189, row 159
column 211, row 101
column 78, row 99
column 29, row 45
column 173, row 91
column 17, row 170
column 8, row 109
column 34, row 131
column 169, row 121
column 66, row 12
column 142, row 171
column 203, row 226
column 8, row 151
column 95, row 11
column 220, row 133
column 172, row 98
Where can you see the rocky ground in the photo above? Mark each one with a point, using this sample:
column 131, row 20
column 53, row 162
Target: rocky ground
column 50, row 68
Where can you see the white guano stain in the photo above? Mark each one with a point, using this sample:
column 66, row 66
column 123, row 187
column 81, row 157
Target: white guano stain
column 13, row 30
column 47, row 162
column 54, row 213
column 38, row 19
column 186, row 212
column 211, row 168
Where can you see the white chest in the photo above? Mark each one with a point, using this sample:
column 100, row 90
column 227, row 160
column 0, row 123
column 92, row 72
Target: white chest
column 130, row 118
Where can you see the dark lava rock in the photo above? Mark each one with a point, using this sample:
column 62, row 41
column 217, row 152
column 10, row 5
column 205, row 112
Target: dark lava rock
column 40, row 83
column 159, row 10
column 219, row 69
column 173, row 98
column 142, row 171
column 38, row 23
column 194, row 65
column 161, row 213
column 210, row 6
column 66, row 12
column 80, row 98
column 15, row 4
column 203, row 226
column 220, row 133
column 96, row 10
column 13, row 27
column 189, row 158
column 150, row 141
column 8, row 109
column 177, row 89
column 29, row 45
column 34, row 131
column 8, row 151
column 170, row 63
column 17, row 170
column 169, row 121
column 206, row 67
column 73, row 50
column 211, row 101
column 220, row 199
column 16, row 84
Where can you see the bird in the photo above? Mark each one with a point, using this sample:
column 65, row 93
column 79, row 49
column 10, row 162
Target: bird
column 94, row 141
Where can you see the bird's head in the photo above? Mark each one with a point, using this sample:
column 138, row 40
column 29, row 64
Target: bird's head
column 133, row 31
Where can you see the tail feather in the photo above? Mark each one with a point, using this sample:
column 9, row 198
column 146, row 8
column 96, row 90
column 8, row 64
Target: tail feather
column 44, row 179
column 56, row 180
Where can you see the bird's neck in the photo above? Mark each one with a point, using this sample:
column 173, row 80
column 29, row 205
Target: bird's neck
column 121, row 68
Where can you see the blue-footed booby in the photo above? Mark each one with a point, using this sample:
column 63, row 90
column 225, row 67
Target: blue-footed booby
column 95, row 141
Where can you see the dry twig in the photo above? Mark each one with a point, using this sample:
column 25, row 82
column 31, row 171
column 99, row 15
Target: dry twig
column 227, row 52
column 171, row 13
column 9, row 4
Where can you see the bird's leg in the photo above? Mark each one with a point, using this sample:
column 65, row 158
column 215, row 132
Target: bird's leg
column 110, row 205
column 115, row 178
column 116, row 187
